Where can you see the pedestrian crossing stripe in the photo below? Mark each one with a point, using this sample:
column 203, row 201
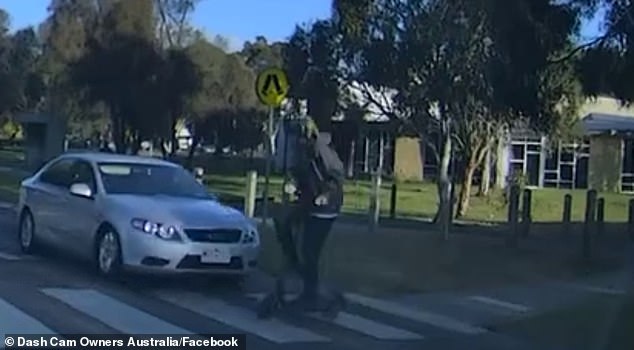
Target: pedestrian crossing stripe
column 9, row 257
column 113, row 313
column 15, row 321
column 122, row 317
column 240, row 318
column 395, row 309
column 499, row 303
column 359, row 324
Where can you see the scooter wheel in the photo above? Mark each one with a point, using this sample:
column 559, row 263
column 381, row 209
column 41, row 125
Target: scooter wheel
column 335, row 306
column 267, row 306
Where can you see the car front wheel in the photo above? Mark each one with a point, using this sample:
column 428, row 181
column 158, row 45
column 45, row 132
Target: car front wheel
column 108, row 253
column 26, row 233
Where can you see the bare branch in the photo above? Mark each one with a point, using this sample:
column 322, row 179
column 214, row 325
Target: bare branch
column 580, row 48
column 164, row 22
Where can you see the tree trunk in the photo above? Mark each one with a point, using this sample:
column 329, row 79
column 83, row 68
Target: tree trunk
column 173, row 140
column 444, row 186
column 164, row 150
column 192, row 152
column 351, row 155
column 500, row 163
column 118, row 134
column 465, row 188
column 485, row 181
column 136, row 144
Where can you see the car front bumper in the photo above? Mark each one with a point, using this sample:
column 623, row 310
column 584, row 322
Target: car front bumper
column 151, row 254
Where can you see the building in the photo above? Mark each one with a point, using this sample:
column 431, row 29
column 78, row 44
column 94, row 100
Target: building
column 603, row 159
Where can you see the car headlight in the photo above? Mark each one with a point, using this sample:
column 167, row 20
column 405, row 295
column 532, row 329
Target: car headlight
column 250, row 237
column 166, row 232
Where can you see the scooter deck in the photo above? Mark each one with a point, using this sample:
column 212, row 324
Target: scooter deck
column 276, row 302
column 272, row 304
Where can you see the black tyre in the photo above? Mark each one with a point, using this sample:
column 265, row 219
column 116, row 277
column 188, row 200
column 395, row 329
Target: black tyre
column 108, row 253
column 26, row 233
column 267, row 306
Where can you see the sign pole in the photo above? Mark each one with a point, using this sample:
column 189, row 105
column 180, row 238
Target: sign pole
column 271, row 87
column 267, row 171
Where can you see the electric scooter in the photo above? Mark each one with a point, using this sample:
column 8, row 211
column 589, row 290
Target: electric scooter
column 278, row 300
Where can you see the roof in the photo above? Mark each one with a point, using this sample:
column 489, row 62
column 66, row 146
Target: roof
column 595, row 123
column 100, row 157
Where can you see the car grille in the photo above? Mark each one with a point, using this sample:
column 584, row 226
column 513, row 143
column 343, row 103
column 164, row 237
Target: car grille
column 214, row 236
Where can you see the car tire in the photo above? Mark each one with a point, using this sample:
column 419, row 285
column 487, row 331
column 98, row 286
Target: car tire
column 26, row 233
column 108, row 253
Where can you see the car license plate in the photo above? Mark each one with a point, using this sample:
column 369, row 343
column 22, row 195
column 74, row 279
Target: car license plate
column 215, row 256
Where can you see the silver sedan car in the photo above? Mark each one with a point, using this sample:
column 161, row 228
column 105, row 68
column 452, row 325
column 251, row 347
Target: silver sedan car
column 129, row 212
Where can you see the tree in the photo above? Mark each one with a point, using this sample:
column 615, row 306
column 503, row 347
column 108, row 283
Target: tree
column 174, row 27
column 607, row 61
column 458, row 65
column 260, row 54
column 64, row 36
column 143, row 87
column 29, row 86
column 225, row 109
column 239, row 101
column 311, row 60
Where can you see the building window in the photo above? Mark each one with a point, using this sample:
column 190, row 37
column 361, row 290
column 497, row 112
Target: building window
column 627, row 173
column 526, row 158
column 566, row 165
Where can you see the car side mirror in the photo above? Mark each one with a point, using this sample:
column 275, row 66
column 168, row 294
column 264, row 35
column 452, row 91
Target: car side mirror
column 81, row 190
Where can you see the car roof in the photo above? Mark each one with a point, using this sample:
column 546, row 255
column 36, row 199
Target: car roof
column 102, row 157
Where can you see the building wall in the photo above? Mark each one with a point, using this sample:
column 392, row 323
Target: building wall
column 605, row 164
column 605, row 105
column 408, row 160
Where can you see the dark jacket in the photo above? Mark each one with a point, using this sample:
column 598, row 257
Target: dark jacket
column 321, row 174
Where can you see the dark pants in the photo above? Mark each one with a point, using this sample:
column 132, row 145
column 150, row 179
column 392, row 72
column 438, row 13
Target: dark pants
column 316, row 232
column 306, row 263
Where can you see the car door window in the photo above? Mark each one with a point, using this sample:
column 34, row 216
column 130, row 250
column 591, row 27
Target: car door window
column 58, row 174
column 83, row 172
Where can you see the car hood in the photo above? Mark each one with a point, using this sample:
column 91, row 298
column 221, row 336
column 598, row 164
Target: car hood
column 188, row 212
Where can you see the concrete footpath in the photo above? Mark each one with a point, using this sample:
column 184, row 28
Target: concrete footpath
column 489, row 307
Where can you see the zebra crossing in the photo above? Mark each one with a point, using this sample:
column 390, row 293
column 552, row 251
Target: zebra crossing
column 127, row 315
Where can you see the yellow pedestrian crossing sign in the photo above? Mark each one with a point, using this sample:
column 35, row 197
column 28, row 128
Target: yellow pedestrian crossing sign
column 271, row 86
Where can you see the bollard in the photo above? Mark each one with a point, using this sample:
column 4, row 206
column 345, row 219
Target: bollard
column 600, row 215
column 630, row 219
column 513, row 215
column 588, row 227
column 375, row 201
column 393, row 194
column 567, row 214
column 249, row 198
column 527, row 216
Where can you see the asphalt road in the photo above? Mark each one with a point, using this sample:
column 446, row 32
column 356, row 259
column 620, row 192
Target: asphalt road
column 59, row 295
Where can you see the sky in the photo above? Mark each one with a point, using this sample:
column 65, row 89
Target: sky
column 236, row 20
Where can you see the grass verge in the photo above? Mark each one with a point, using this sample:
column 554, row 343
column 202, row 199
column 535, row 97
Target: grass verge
column 420, row 200
column 601, row 323
column 9, row 186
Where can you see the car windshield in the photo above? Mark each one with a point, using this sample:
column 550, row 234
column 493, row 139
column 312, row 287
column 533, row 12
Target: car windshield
column 150, row 179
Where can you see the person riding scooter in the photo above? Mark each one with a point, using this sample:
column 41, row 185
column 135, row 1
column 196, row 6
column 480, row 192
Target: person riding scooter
column 317, row 179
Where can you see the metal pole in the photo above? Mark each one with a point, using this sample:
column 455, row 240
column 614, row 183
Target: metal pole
column 285, row 128
column 267, row 172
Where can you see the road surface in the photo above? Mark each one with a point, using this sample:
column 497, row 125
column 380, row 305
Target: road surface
column 58, row 295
